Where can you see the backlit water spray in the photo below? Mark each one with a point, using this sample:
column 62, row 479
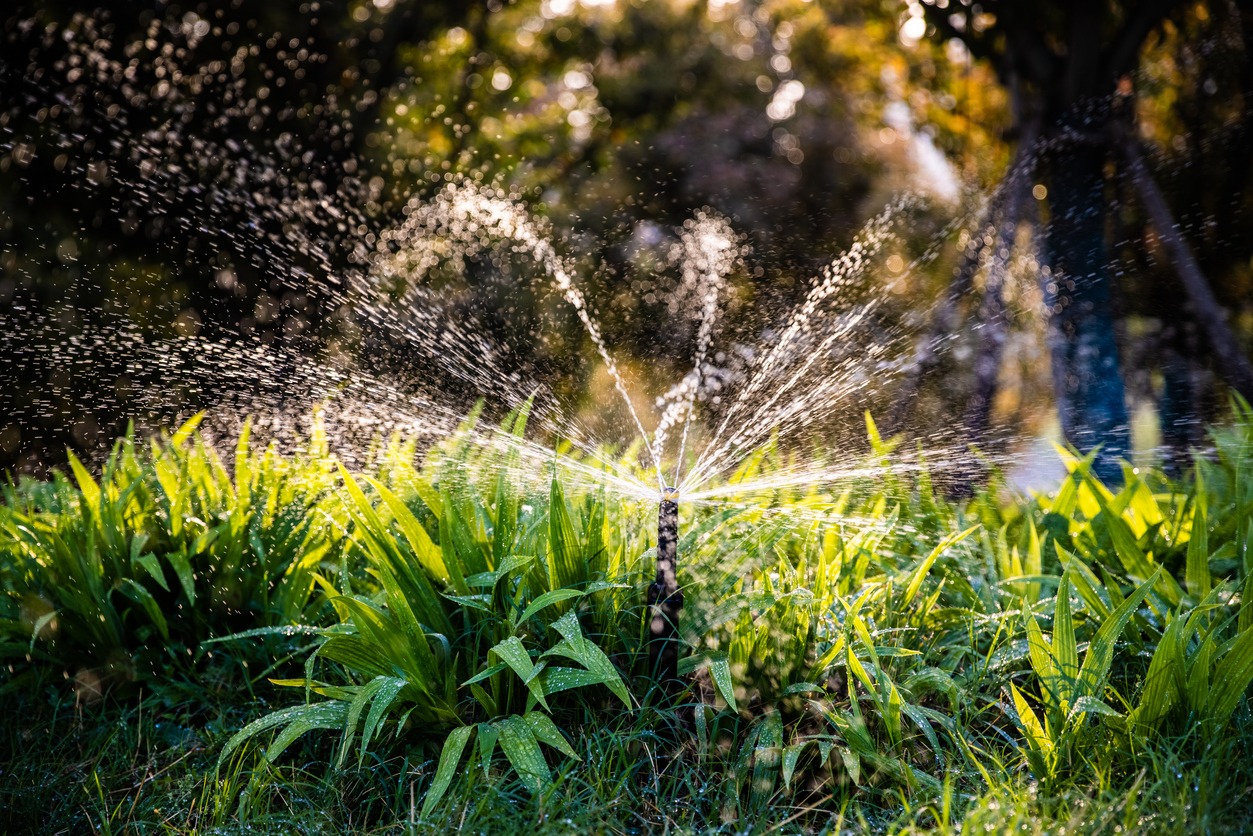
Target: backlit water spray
column 790, row 379
column 819, row 359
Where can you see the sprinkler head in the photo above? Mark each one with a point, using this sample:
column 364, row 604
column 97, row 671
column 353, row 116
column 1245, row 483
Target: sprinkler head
column 665, row 598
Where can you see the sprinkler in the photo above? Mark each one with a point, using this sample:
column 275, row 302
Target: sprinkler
column 664, row 597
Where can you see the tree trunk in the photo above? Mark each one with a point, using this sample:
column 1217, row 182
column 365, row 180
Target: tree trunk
column 1003, row 212
column 1232, row 364
column 945, row 320
column 1087, row 375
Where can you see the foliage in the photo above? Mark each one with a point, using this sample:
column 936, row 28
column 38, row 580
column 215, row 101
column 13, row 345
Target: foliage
column 473, row 622
column 126, row 575
column 620, row 121
column 880, row 651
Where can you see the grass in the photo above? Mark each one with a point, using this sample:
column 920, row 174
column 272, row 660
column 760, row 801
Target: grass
column 458, row 640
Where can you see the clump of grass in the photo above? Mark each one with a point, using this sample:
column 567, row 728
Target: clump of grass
column 481, row 624
column 121, row 579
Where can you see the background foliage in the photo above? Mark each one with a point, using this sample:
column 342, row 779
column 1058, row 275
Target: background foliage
column 167, row 172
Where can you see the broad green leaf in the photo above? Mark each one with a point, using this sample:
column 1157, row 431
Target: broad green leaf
column 932, row 679
column 387, row 694
column 488, row 735
column 852, row 764
column 86, row 484
column 427, row 553
column 1200, row 666
column 40, row 623
column 919, row 573
column 720, row 671
column 859, row 670
column 557, row 679
column 287, row 630
column 766, row 758
column 356, row 706
column 513, row 653
column 564, row 550
column 577, row 647
column 357, row 654
column 486, row 673
column 1232, row 676
column 1041, row 655
column 186, row 575
column 1064, row 649
column 546, row 731
column 1161, row 691
column 482, row 603
column 324, row 715
column 828, row 659
column 547, row 600
column 918, row 716
column 449, row 757
column 484, row 699
column 1086, row 583
column 1036, row 736
column 791, row 757
column 1090, row 705
column 152, row 566
column 1197, row 570
column 1246, row 604
column 185, row 432
column 1135, row 561
column 518, row 743
column 863, row 633
column 243, row 465
column 141, row 596
column 892, row 707
column 1034, row 564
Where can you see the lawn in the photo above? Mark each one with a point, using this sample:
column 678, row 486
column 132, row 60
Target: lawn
column 197, row 640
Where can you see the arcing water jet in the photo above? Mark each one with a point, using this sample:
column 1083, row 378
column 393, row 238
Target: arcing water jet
column 665, row 599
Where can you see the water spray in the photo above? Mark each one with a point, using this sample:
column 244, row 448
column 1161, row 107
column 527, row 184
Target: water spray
column 665, row 599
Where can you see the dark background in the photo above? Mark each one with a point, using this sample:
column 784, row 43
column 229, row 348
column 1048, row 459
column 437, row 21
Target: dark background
column 177, row 171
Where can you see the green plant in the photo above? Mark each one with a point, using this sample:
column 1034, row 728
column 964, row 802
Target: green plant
column 123, row 576
column 865, row 655
column 1196, row 676
column 483, row 602
column 1068, row 690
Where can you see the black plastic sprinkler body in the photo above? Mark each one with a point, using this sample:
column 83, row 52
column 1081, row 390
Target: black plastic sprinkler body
column 664, row 597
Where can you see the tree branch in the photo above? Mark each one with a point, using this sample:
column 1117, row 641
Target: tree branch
column 1029, row 50
column 978, row 47
column 1232, row 364
column 1142, row 19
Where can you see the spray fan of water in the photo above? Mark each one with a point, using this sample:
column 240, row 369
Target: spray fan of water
column 800, row 388
column 803, row 385
column 420, row 356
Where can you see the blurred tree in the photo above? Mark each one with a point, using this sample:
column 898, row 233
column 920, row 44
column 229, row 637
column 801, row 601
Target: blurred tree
column 170, row 170
column 796, row 120
column 1069, row 68
column 177, row 170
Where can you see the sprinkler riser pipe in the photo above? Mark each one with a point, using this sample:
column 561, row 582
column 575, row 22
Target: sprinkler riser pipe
column 664, row 597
